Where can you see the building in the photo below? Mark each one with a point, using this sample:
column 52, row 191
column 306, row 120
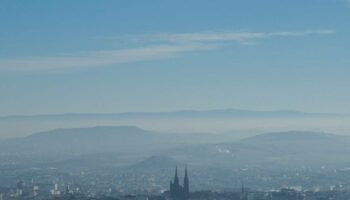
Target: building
column 177, row 191
column 19, row 189
column 244, row 193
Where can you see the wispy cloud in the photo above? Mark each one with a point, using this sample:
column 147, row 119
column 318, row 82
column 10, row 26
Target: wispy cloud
column 160, row 46
column 98, row 58
column 233, row 36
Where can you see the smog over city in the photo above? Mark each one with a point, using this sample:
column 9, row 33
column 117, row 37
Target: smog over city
column 174, row 100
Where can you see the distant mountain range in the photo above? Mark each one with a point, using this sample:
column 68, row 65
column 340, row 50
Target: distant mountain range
column 178, row 114
column 208, row 121
column 131, row 144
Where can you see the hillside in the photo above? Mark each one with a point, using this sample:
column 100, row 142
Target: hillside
column 292, row 148
column 128, row 144
column 102, row 139
column 82, row 141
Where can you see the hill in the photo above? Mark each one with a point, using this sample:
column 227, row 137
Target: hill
column 282, row 149
column 124, row 140
column 128, row 144
column 156, row 162
column 78, row 141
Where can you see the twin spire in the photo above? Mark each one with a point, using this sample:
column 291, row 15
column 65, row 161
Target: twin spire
column 177, row 191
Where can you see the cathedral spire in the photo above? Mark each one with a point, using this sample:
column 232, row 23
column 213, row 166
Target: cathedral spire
column 177, row 191
column 186, row 185
column 176, row 178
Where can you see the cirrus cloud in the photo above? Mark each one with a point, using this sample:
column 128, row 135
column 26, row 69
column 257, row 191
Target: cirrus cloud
column 161, row 46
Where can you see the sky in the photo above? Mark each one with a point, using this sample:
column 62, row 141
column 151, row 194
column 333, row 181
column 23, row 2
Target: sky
column 124, row 56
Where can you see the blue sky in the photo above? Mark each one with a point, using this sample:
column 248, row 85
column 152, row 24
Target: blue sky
column 120, row 56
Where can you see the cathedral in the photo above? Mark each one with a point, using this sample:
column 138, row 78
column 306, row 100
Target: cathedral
column 177, row 191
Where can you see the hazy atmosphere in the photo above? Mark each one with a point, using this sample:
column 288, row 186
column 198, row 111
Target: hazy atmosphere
column 107, row 100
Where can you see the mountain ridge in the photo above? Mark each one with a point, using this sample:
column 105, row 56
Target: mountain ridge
column 106, row 129
column 228, row 111
column 291, row 135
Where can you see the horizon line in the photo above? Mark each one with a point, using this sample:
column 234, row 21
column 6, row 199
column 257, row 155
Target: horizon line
column 174, row 111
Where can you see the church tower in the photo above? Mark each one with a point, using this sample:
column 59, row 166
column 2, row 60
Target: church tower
column 178, row 192
column 176, row 178
column 186, row 185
